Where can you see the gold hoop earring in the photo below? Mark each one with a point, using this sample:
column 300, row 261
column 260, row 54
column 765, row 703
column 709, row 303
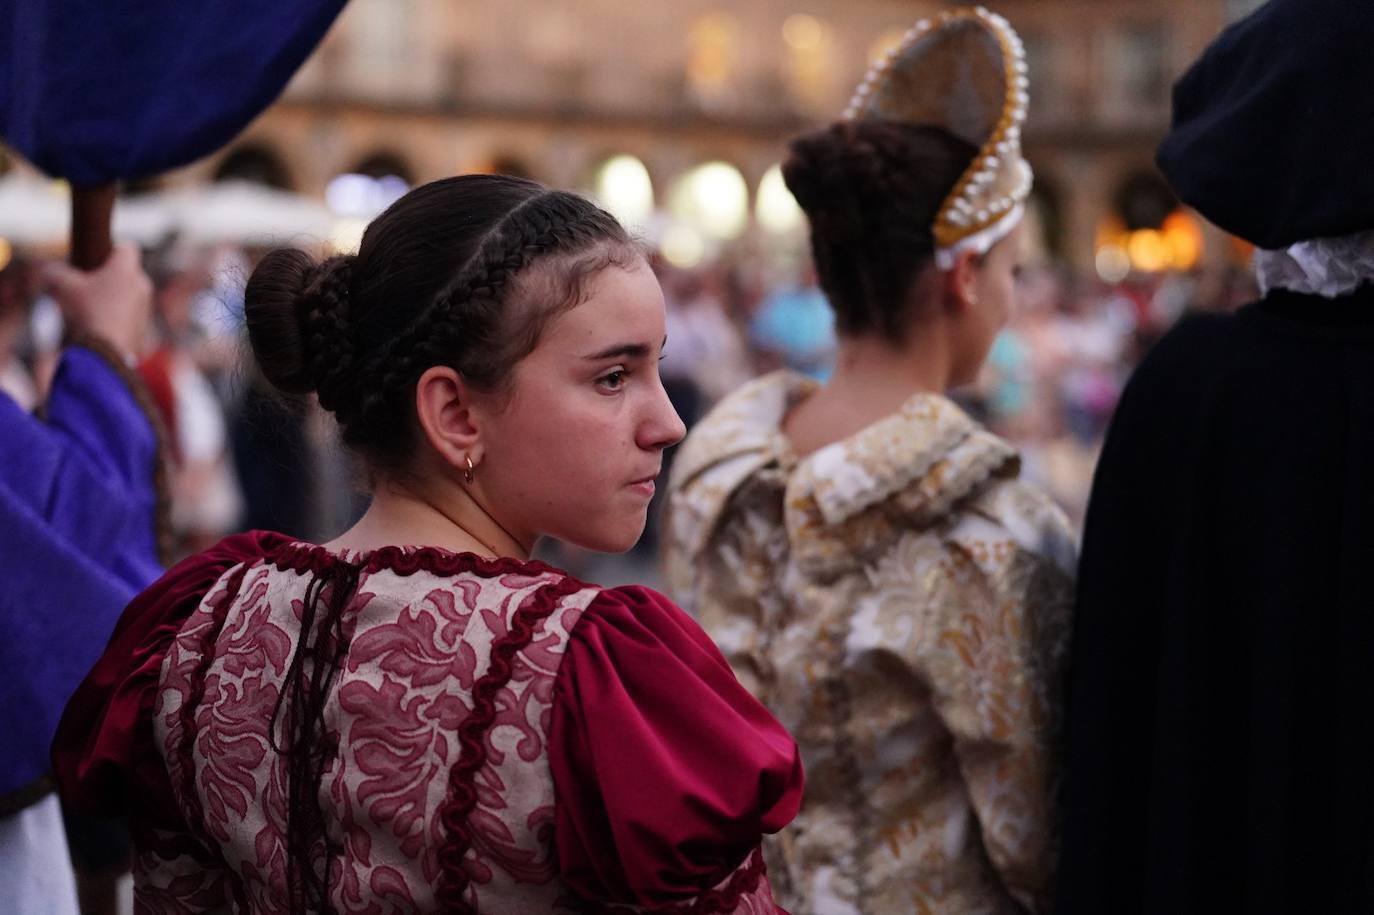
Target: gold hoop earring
column 467, row 472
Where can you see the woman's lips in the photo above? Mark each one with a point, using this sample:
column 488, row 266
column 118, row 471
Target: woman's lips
column 644, row 485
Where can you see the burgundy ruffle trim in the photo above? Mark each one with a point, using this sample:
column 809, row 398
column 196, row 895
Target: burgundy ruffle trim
column 472, row 733
column 308, row 557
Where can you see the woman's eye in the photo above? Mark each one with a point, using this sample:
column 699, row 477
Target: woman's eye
column 613, row 381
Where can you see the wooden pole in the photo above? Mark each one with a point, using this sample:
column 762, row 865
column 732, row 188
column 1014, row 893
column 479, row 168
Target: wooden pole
column 92, row 212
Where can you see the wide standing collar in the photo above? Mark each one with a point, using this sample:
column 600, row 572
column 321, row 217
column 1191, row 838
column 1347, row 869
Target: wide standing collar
column 915, row 464
column 746, row 425
column 918, row 462
column 737, row 439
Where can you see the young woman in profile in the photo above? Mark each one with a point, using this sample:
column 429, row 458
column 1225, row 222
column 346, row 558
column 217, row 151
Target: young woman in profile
column 865, row 553
column 416, row 716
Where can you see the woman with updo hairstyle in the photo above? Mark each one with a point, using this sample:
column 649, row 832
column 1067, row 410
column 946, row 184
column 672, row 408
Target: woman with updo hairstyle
column 864, row 552
column 416, row 716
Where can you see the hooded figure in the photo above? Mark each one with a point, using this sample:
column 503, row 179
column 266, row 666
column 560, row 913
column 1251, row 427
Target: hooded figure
column 1220, row 751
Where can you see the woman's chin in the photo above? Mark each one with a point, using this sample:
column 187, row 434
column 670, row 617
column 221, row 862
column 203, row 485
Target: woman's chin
column 613, row 539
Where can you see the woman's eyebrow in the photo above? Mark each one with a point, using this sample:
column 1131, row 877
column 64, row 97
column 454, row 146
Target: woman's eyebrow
column 632, row 350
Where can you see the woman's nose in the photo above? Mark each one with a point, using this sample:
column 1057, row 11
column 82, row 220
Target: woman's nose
column 662, row 428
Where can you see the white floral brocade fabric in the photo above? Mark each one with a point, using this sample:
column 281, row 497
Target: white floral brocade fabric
column 437, row 792
column 901, row 601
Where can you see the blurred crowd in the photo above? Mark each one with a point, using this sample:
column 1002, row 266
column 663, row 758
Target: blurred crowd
column 1050, row 385
column 244, row 458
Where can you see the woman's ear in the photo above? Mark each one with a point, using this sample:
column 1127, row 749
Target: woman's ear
column 444, row 407
column 961, row 282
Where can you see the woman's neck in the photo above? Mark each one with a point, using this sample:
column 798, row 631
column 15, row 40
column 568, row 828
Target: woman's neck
column 873, row 370
column 400, row 516
column 872, row 379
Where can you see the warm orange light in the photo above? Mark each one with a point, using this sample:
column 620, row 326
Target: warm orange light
column 713, row 43
column 803, row 32
column 1183, row 234
column 1149, row 251
column 810, row 60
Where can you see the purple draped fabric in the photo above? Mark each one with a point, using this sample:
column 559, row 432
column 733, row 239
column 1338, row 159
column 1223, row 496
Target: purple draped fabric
column 77, row 505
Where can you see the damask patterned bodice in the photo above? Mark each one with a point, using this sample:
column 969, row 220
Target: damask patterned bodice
column 439, row 796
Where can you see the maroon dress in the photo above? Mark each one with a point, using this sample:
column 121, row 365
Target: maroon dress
column 502, row 738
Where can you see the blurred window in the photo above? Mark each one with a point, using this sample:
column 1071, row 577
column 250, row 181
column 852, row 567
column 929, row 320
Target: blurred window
column 809, row 68
column 382, row 45
column 1043, row 53
column 775, row 208
column 713, row 57
column 257, row 164
column 1137, row 70
column 624, row 188
column 712, row 199
column 382, row 31
column 1045, row 223
column 386, row 164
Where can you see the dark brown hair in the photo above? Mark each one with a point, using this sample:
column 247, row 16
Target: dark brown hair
column 871, row 190
column 463, row 272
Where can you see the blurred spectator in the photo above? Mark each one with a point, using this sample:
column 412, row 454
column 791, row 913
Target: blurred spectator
column 1092, row 331
column 274, row 460
column 796, row 327
column 205, row 500
column 705, row 358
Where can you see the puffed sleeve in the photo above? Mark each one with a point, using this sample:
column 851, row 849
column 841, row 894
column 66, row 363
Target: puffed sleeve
column 994, row 659
column 105, row 756
column 667, row 771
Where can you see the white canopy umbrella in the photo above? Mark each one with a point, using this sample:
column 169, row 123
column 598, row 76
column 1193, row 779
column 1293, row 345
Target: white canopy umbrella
column 33, row 210
column 136, row 219
column 236, row 212
column 36, row 211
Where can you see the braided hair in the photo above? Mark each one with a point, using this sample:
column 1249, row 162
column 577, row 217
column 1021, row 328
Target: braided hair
column 441, row 278
column 871, row 190
column 464, row 272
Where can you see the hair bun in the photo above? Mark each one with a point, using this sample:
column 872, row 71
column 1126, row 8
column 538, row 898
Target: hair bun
column 813, row 166
column 298, row 323
column 871, row 190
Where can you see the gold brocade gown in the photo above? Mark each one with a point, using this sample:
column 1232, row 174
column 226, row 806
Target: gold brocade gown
column 901, row 601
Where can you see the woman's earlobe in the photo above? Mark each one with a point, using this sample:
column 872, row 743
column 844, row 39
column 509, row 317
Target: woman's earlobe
column 447, row 419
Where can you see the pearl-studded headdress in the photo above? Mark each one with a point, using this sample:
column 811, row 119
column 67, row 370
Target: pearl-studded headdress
column 963, row 70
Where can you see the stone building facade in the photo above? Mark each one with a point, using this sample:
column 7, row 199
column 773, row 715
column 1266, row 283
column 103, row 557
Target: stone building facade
column 553, row 88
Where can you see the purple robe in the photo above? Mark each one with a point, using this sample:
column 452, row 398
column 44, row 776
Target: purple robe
column 77, row 524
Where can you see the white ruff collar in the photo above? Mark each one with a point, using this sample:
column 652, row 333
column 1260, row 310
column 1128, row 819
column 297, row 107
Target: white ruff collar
column 1328, row 267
